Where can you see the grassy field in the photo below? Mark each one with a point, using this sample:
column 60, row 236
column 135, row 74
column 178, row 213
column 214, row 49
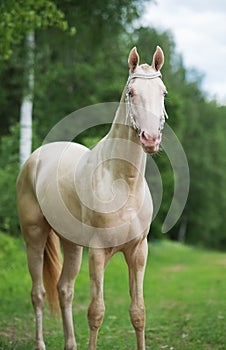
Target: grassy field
column 185, row 296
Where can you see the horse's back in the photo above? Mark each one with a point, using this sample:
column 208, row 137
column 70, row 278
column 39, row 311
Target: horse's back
column 44, row 162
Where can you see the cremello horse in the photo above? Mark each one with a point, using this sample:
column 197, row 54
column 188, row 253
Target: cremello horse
column 106, row 206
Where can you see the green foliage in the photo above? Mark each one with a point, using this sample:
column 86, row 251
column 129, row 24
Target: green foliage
column 184, row 297
column 204, row 144
column 9, row 169
column 18, row 18
column 89, row 68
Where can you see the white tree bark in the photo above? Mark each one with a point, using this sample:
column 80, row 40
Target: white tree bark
column 182, row 229
column 27, row 104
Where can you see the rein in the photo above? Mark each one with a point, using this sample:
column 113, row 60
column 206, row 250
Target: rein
column 128, row 101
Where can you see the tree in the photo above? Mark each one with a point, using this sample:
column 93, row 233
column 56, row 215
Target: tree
column 27, row 103
column 18, row 21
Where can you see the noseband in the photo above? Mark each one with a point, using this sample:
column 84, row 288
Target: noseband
column 129, row 111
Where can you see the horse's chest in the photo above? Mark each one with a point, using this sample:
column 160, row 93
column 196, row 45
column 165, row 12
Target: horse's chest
column 120, row 210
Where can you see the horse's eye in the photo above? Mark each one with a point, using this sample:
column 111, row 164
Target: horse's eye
column 165, row 93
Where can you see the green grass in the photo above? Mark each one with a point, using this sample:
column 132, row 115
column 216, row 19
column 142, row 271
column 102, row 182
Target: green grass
column 185, row 297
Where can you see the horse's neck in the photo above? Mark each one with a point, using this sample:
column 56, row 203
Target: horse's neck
column 121, row 147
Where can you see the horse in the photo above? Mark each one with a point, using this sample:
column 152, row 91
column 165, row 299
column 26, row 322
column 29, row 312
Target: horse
column 70, row 197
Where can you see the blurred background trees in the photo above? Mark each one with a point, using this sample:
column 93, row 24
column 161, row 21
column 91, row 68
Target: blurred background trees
column 80, row 58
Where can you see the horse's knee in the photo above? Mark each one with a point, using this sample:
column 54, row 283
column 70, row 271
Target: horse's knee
column 38, row 297
column 137, row 316
column 66, row 294
column 96, row 314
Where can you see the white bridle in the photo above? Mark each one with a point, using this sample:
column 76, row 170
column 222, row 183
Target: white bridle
column 128, row 101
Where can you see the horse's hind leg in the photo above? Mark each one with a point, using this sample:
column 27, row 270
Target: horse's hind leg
column 35, row 234
column 71, row 266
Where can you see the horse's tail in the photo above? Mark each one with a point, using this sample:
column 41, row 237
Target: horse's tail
column 51, row 270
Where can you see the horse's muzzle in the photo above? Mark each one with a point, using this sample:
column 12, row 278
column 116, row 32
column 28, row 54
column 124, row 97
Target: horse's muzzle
column 150, row 143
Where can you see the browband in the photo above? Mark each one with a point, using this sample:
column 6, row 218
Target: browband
column 145, row 76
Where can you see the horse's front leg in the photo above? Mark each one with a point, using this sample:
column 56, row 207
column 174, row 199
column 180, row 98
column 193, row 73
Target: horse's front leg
column 97, row 263
column 136, row 257
column 71, row 266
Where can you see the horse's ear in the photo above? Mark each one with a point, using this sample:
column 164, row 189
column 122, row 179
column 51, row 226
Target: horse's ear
column 133, row 59
column 158, row 59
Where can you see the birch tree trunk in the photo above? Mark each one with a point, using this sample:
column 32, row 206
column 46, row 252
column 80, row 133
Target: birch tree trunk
column 182, row 229
column 27, row 103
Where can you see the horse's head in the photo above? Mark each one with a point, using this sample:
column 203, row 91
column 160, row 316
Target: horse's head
column 145, row 93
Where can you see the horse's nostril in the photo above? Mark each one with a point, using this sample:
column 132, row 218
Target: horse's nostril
column 146, row 136
column 150, row 141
